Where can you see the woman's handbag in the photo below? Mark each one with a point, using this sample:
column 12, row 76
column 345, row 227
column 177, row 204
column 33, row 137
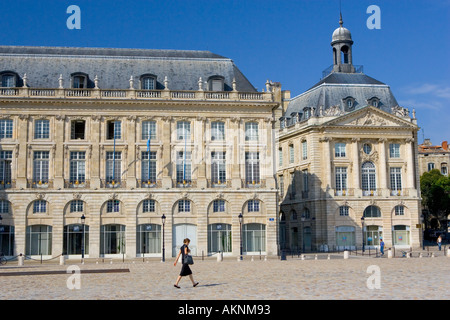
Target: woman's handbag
column 188, row 259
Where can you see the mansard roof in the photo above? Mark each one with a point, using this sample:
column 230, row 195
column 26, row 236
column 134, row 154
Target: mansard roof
column 114, row 66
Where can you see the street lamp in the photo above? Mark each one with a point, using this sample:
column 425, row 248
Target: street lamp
column 83, row 220
column 163, row 219
column 240, row 231
column 362, row 228
column 303, row 219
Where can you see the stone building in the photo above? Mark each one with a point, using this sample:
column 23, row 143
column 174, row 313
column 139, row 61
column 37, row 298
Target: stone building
column 96, row 145
column 434, row 157
column 347, row 162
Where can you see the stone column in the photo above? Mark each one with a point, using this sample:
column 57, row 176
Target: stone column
column 58, row 159
column 235, row 165
column 22, row 151
column 130, row 139
column 94, row 161
column 199, row 141
column 166, row 153
column 383, row 171
column 409, row 164
column 356, row 167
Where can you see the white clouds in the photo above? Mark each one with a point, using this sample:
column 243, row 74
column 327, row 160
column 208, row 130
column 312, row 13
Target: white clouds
column 426, row 96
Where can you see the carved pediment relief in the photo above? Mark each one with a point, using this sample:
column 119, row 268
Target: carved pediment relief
column 369, row 117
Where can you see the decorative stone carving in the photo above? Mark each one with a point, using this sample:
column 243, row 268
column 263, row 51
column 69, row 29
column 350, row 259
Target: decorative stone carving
column 332, row 111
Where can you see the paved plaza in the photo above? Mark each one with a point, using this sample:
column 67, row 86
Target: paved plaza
column 293, row 279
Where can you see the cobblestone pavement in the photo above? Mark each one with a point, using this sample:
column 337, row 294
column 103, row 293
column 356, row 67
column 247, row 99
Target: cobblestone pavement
column 293, row 279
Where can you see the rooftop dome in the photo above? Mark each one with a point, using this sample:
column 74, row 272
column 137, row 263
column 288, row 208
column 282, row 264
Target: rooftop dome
column 341, row 33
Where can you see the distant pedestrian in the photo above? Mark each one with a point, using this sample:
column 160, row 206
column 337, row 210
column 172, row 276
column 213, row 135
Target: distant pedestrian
column 185, row 269
column 382, row 247
column 439, row 242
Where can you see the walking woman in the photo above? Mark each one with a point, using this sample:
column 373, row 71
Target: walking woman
column 185, row 270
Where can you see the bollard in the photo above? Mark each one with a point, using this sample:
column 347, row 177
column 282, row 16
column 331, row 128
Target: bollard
column 448, row 252
column 315, row 257
column 253, row 259
column 420, row 255
column 20, row 260
column 302, row 257
column 345, row 254
column 329, row 257
column 220, row 257
column 432, row 254
column 408, row 255
column 62, row 260
column 283, row 255
column 389, row 254
column 265, row 258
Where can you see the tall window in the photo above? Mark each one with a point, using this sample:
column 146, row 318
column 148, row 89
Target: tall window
column 183, row 130
column 77, row 167
column 40, row 166
column 251, row 131
column 184, row 166
column 148, row 238
column 254, row 237
column 339, row 150
column 218, row 167
column 42, row 129
column 6, row 128
column 113, row 166
column 39, row 240
column 252, row 174
column 280, row 157
column 430, row 166
column 4, row 207
column 396, row 179
column 77, row 129
column 79, row 82
column 394, row 150
column 148, row 168
column 184, row 205
column 304, row 150
column 148, row 128
column 341, row 179
column 113, row 130
column 217, row 131
column 5, row 168
column 291, row 153
column 368, row 177
column 305, row 180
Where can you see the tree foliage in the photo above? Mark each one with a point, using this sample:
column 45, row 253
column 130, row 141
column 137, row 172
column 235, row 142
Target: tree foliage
column 435, row 189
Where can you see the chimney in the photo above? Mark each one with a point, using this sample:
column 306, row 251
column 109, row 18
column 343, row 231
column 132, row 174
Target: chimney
column 427, row 142
column 444, row 145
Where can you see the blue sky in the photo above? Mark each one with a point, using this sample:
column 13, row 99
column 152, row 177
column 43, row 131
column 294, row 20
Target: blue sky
column 287, row 41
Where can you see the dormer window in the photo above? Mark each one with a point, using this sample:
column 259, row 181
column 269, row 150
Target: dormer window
column 148, row 82
column 349, row 103
column 216, row 83
column 79, row 80
column 375, row 102
column 9, row 79
column 306, row 113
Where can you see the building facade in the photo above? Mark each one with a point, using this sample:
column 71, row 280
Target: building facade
column 347, row 162
column 434, row 157
column 97, row 145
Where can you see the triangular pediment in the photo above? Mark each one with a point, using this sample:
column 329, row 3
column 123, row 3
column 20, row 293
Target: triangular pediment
column 369, row 117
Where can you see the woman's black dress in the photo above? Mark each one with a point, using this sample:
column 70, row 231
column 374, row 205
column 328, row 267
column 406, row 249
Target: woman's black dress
column 185, row 270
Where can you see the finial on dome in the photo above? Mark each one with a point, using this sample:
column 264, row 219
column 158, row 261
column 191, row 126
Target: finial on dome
column 340, row 19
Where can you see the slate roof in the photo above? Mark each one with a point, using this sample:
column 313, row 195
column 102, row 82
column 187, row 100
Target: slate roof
column 114, row 67
column 331, row 90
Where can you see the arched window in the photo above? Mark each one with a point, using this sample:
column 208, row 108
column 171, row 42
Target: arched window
column 372, row 212
column 345, row 54
column 368, row 177
column 9, row 79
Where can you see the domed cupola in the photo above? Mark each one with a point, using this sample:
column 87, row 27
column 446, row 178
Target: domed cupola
column 342, row 49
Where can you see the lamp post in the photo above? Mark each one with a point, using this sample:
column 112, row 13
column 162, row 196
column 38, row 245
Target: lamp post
column 83, row 220
column 362, row 229
column 163, row 219
column 303, row 218
column 240, row 232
